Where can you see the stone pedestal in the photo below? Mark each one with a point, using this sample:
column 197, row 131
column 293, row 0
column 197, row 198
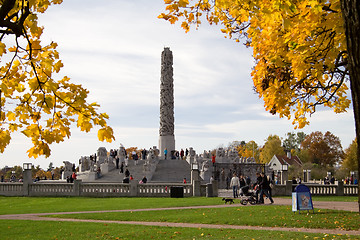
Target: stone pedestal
column 167, row 142
column 27, row 179
column 196, row 188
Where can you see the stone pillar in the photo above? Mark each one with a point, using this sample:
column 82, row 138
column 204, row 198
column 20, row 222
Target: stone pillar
column 195, row 175
column 284, row 177
column 166, row 131
column 288, row 188
column 77, row 183
column 196, row 188
column 308, row 175
column 27, row 179
column 215, row 187
column 209, row 190
column 340, row 189
column 133, row 188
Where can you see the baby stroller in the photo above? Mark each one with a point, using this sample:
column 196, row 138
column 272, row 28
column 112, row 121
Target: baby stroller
column 247, row 195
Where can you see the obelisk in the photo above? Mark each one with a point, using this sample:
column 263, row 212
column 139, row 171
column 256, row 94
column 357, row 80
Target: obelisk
column 166, row 131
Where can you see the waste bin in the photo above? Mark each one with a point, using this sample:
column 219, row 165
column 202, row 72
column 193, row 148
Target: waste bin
column 177, row 192
column 301, row 199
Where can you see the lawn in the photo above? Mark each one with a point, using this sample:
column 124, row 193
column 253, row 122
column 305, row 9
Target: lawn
column 35, row 230
column 264, row 215
column 15, row 205
column 259, row 215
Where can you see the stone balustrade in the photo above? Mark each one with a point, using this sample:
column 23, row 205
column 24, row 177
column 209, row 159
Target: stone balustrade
column 78, row 188
column 316, row 189
column 11, row 189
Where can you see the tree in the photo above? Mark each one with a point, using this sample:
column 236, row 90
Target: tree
column 248, row 150
column 324, row 149
column 350, row 162
column 293, row 141
column 271, row 147
column 305, row 51
column 33, row 101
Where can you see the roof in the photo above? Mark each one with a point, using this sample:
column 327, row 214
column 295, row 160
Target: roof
column 292, row 161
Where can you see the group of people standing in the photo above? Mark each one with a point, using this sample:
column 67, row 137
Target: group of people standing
column 261, row 187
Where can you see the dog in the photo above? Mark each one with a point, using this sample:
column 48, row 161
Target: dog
column 228, row 200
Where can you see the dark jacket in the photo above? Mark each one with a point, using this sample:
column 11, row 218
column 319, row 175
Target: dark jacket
column 265, row 183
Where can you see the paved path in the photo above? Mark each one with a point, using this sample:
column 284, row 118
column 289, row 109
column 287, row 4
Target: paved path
column 347, row 206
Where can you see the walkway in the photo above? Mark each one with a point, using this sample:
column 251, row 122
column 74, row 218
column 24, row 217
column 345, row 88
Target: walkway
column 347, row 206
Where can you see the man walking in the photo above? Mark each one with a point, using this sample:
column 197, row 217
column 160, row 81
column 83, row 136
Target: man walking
column 234, row 184
column 265, row 189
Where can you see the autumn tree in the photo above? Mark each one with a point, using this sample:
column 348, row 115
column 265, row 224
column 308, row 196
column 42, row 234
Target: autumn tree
column 305, row 51
column 248, row 150
column 271, row 147
column 324, row 149
column 350, row 162
column 35, row 100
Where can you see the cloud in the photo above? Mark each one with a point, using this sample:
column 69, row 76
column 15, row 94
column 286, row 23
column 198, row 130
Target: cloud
column 113, row 49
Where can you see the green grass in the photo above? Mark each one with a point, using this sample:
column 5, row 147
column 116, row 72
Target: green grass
column 260, row 215
column 15, row 205
column 38, row 230
column 332, row 198
column 264, row 215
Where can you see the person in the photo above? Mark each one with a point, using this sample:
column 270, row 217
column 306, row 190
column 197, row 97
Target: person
column 117, row 159
column 144, row 180
column 248, row 181
column 143, row 154
column 182, row 154
column 332, row 180
column 74, row 176
column 122, row 167
column 131, row 177
column 213, row 159
column 242, row 181
column 184, row 181
column 126, row 180
column 234, row 184
column 258, row 186
column 165, row 153
column 127, row 173
column 265, row 186
column 228, row 181
column 212, row 179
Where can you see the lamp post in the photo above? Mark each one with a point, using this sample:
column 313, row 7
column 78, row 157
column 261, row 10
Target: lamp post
column 284, row 173
column 27, row 166
column 195, row 179
column 27, row 177
column 304, row 175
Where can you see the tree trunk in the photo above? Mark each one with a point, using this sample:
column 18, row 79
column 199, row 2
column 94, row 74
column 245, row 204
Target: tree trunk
column 351, row 15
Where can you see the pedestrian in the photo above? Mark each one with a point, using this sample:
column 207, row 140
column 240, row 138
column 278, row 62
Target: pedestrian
column 127, row 173
column 234, row 184
column 265, row 188
column 144, row 180
column 257, row 186
column 213, row 159
column 165, row 152
column 184, row 181
column 122, row 167
column 182, row 154
column 117, row 159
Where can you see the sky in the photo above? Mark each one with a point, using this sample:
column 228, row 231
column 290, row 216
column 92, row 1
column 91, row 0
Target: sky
column 113, row 48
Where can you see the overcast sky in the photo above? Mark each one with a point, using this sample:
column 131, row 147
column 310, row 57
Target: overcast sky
column 113, row 48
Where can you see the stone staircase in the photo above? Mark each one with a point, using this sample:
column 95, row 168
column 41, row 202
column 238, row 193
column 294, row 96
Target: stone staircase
column 172, row 171
column 165, row 171
column 137, row 171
